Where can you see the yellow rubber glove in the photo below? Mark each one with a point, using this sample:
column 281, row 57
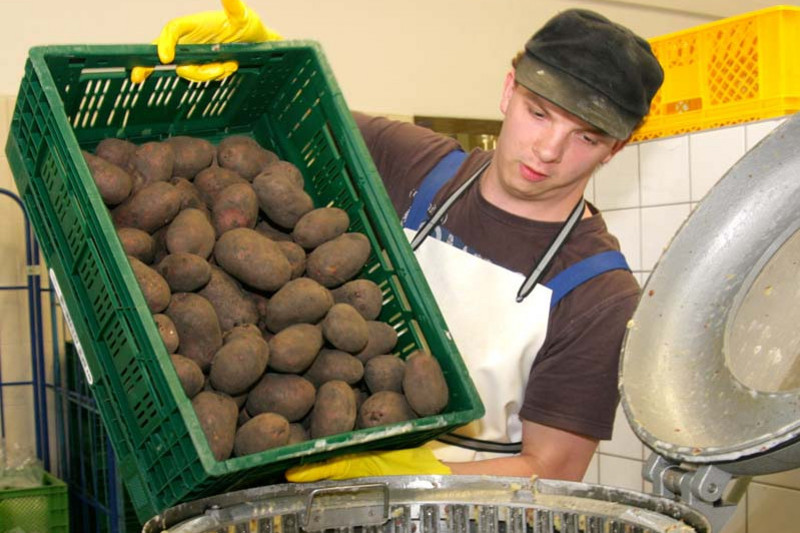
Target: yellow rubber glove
column 412, row 461
column 236, row 23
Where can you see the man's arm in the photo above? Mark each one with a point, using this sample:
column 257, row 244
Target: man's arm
column 546, row 452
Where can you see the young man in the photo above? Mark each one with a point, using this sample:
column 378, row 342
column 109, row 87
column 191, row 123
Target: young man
column 529, row 280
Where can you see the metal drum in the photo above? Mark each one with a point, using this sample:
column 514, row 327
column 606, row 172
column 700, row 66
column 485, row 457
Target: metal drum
column 710, row 370
column 432, row 504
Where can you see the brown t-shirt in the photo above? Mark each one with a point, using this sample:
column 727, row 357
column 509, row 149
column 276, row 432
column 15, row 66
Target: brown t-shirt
column 573, row 381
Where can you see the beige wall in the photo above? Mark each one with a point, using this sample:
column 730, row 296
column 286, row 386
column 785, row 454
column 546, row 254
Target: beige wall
column 394, row 57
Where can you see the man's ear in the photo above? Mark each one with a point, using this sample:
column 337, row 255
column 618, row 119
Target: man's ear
column 508, row 91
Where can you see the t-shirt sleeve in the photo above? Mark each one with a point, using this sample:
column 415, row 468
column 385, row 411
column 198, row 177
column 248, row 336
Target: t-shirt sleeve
column 403, row 153
column 573, row 381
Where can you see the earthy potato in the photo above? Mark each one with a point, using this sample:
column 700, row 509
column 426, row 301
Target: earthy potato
column 382, row 340
column 117, row 151
column 294, row 348
column 384, row 373
column 137, row 243
column 191, row 232
column 262, row 432
column 191, row 155
column 260, row 302
column 334, row 365
column 190, row 195
column 189, row 374
column 240, row 331
column 238, row 364
column 289, row 395
column 384, row 407
column 244, row 156
column 153, row 161
column 296, row 256
column 217, row 414
column 167, row 331
column 231, row 303
column 267, row 230
column 184, row 272
column 240, row 400
column 160, row 245
column 339, row 260
column 113, row 183
column 281, row 200
column 345, row 328
column 148, row 209
column 210, row 181
column 301, row 300
column 424, row 384
column 286, row 170
column 363, row 294
column 334, row 410
column 154, row 287
column 197, row 325
column 297, row 434
column 320, row 225
column 236, row 206
column 253, row 259
column 244, row 416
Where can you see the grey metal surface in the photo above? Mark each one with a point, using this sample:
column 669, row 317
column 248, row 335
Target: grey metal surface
column 710, row 368
column 432, row 504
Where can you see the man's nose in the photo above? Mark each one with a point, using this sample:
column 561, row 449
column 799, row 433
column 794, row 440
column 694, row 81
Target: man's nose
column 550, row 146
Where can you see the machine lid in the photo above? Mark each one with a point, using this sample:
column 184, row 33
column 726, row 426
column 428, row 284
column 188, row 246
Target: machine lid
column 710, row 369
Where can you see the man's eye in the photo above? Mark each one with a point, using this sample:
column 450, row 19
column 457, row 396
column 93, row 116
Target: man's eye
column 590, row 139
column 535, row 111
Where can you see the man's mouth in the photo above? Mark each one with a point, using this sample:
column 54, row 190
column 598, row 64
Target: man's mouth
column 531, row 174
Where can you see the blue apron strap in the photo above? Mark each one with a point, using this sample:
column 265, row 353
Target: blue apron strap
column 568, row 279
column 439, row 175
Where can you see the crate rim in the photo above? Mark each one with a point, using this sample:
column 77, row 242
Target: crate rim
column 726, row 20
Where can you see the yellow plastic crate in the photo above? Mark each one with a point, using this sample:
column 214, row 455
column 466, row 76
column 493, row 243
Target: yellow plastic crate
column 735, row 70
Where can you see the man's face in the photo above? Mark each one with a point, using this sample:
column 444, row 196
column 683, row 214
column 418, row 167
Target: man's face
column 544, row 157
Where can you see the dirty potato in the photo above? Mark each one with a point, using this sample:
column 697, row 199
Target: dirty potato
column 424, row 384
column 217, row 414
column 339, row 260
column 262, row 432
column 334, row 410
column 253, row 259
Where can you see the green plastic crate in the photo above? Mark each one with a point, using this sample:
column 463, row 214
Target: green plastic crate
column 284, row 95
column 41, row 509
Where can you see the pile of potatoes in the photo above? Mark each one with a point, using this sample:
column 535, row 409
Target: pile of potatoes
column 256, row 295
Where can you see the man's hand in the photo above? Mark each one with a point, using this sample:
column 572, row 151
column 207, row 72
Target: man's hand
column 236, row 23
column 412, row 461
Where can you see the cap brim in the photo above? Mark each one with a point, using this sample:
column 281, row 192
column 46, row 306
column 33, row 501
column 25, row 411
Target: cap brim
column 576, row 97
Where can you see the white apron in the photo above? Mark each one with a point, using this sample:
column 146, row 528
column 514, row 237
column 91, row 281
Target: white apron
column 498, row 338
column 497, row 318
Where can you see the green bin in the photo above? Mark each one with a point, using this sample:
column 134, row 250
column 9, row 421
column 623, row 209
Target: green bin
column 283, row 95
column 42, row 509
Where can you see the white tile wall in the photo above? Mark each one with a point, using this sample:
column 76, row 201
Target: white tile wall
column 712, row 153
column 626, row 225
column 645, row 211
column 659, row 225
column 664, row 167
column 625, row 443
column 756, row 131
column 621, row 472
column 617, row 182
